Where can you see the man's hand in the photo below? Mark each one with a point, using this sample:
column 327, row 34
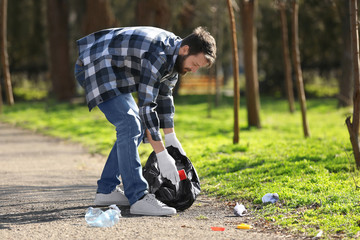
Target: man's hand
column 167, row 167
column 171, row 140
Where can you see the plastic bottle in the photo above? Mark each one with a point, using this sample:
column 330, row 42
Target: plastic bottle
column 95, row 217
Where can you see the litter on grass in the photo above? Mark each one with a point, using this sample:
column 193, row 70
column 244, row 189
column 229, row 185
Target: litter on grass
column 218, row 228
column 240, row 210
column 270, row 198
column 95, row 217
column 244, row 226
column 319, row 235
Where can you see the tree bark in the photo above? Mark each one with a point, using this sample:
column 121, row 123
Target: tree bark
column 153, row 13
column 346, row 82
column 4, row 55
column 235, row 72
column 217, row 27
column 2, row 10
column 353, row 127
column 63, row 83
column 297, row 66
column 247, row 8
column 286, row 55
column 98, row 16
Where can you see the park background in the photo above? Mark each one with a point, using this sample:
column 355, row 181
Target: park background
column 315, row 175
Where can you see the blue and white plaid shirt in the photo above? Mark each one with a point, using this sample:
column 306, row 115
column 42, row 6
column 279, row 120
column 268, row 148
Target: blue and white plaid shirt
column 125, row 60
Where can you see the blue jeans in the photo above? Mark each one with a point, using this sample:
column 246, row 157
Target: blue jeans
column 123, row 159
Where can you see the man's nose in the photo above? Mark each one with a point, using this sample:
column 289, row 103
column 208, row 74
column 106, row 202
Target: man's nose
column 194, row 69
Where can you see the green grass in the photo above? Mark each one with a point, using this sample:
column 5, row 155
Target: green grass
column 313, row 176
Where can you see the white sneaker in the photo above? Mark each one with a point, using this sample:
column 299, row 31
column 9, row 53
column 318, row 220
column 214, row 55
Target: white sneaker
column 149, row 205
column 115, row 197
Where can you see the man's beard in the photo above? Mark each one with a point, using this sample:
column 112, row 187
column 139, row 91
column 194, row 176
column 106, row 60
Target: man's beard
column 179, row 64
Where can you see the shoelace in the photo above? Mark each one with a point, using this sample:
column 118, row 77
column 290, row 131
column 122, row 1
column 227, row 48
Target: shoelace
column 118, row 189
column 153, row 201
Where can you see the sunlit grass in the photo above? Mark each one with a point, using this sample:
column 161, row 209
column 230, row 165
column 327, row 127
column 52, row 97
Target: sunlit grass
column 313, row 176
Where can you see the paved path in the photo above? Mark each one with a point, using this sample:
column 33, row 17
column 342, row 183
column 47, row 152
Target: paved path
column 47, row 184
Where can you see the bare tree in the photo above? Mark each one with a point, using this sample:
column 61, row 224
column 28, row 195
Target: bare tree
column 247, row 9
column 235, row 72
column 4, row 55
column 184, row 19
column 98, row 16
column 153, row 12
column 2, row 10
column 63, row 83
column 346, row 83
column 353, row 127
column 286, row 56
column 217, row 27
column 297, row 67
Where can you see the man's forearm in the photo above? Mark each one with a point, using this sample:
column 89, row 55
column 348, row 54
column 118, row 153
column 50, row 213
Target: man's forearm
column 168, row 130
column 158, row 146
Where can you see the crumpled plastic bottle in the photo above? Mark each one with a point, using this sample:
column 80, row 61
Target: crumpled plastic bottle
column 270, row 198
column 95, row 217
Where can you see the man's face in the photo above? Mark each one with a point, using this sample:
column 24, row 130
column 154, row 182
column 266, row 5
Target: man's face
column 190, row 63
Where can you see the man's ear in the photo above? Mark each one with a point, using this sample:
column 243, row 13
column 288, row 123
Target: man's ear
column 184, row 50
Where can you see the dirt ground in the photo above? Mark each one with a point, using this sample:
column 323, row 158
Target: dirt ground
column 48, row 184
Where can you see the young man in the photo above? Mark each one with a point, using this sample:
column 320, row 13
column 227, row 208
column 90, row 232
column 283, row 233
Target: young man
column 112, row 64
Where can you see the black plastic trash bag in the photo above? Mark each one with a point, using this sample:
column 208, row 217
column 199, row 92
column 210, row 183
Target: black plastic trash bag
column 180, row 196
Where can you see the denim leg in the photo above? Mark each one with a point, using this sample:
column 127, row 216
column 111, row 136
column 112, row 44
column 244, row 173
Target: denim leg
column 110, row 175
column 123, row 113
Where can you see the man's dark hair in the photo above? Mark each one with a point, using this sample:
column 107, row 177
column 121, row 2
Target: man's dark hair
column 201, row 41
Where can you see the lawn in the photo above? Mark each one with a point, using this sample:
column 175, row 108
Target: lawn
column 314, row 177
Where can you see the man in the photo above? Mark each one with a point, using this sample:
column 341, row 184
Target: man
column 112, row 64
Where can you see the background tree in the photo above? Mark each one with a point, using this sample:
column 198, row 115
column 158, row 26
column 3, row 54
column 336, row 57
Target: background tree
column 216, row 30
column 346, row 82
column 235, row 71
column 63, row 83
column 153, row 13
column 321, row 44
column 4, row 53
column 320, row 25
column 297, row 67
column 183, row 24
column 286, row 56
column 247, row 11
column 353, row 127
column 98, row 16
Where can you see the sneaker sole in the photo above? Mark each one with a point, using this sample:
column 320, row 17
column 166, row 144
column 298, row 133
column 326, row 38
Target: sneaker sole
column 151, row 214
column 99, row 203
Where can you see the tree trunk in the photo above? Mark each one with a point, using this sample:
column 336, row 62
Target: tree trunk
column 247, row 9
column 4, row 55
column 153, row 13
column 353, row 127
column 63, row 83
column 286, row 55
column 217, row 23
column 98, row 16
column 2, row 10
column 297, row 67
column 346, row 82
column 235, row 72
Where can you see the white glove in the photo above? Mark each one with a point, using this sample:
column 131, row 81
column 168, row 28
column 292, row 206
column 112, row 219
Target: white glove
column 171, row 140
column 167, row 167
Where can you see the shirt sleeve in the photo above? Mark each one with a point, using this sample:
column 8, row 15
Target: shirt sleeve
column 152, row 68
column 165, row 102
